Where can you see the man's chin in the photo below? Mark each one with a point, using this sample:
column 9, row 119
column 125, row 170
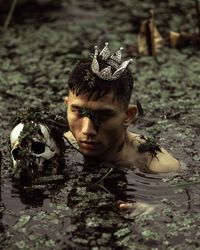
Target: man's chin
column 89, row 153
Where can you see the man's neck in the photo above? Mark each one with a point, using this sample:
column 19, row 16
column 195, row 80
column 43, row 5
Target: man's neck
column 116, row 152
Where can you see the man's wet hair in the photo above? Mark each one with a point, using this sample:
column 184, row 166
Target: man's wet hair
column 83, row 81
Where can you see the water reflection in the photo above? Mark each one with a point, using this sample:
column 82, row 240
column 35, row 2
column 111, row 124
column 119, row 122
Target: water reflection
column 149, row 188
column 125, row 186
column 122, row 184
column 30, row 197
column 86, row 204
column 98, row 190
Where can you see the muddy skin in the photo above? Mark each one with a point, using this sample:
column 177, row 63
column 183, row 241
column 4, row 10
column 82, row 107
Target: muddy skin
column 149, row 145
column 120, row 147
column 95, row 118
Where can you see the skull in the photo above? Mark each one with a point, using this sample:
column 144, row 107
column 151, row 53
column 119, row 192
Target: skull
column 41, row 147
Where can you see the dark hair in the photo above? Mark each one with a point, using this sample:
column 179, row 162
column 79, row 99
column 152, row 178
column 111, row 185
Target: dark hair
column 83, row 81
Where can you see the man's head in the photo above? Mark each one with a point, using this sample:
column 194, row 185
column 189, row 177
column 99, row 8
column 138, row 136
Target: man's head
column 98, row 110
column 82, row 80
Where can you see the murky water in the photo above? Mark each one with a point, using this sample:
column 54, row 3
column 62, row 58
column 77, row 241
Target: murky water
column 150, row 188
column 58, row 216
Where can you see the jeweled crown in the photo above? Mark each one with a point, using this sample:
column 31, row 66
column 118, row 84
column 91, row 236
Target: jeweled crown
column 113, row 60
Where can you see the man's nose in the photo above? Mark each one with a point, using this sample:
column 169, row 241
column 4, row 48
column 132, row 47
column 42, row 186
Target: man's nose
column 88, row 127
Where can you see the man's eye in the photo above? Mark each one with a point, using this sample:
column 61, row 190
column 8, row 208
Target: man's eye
column 105, row 116
column 77, row 111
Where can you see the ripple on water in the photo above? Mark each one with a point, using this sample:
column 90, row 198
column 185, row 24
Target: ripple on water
column 150, row 188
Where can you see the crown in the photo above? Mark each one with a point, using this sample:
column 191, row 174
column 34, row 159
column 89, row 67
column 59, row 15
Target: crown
column 113, row 60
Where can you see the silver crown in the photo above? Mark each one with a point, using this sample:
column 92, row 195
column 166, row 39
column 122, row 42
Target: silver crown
column 112, row 60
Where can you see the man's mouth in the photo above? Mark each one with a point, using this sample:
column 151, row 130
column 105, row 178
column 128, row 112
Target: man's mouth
column 89, row 144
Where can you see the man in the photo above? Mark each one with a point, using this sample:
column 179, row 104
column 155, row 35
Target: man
column 99, row 113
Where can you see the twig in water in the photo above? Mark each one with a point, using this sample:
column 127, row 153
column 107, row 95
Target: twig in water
column 10, row 13
column 109, row 171
column 197, row 7
column 107, row 191
column 0, row 173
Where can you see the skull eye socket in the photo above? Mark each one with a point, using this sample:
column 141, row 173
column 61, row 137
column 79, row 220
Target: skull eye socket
column 16, row 153
column 38, row 147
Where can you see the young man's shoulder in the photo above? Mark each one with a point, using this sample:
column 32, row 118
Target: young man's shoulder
column 157, row 159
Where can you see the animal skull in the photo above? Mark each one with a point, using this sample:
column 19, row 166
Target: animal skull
column 42, row 147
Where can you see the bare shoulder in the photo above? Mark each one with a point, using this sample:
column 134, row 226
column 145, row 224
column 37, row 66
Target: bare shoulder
column 135, row 139
column 164, row 162
column 158, row 159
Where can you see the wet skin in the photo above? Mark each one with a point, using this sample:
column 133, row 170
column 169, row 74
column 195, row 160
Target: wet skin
column 100, row 129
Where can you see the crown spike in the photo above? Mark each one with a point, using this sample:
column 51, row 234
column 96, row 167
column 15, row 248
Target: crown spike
column 96, row 50
column 105, row 53
column 95, row 64
column 106, row 73
column 121, row 69
column 117, row 56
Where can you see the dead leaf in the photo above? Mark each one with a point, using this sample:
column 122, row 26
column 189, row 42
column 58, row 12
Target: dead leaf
column 183, row 39
column 149, row 38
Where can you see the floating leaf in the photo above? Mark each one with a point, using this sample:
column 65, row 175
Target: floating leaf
column 182, row 39
column 149, row 39
column 23, row 220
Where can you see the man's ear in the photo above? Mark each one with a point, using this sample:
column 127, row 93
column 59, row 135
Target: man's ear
column 131, row 115
column 66, row 100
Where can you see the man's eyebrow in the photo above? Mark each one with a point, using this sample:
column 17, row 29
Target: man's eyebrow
column 76, row 106
column 105, row 110
column 100, row 110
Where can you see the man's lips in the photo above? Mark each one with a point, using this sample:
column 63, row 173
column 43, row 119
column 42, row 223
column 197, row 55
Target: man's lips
column 89, row 144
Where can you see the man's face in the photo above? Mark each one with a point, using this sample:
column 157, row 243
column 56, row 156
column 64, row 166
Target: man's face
column 97, row 125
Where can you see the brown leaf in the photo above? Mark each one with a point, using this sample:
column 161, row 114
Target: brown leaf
column 149, row 38
column 183, row 39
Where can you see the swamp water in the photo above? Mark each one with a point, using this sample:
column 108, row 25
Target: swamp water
column 102, row 207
